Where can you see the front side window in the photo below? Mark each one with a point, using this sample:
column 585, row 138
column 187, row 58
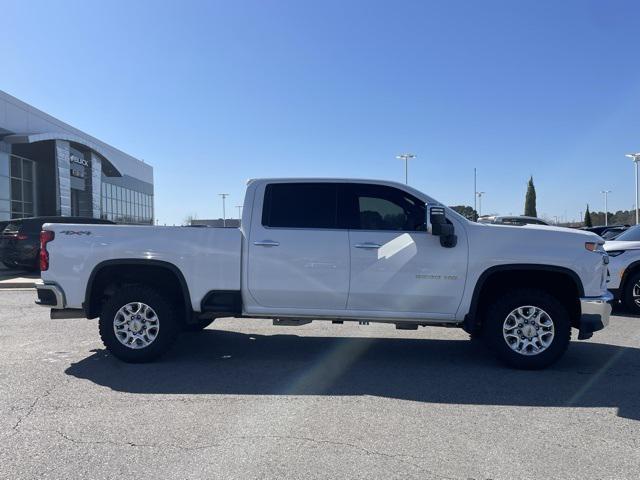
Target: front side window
column 379, row 207
column 300, row 205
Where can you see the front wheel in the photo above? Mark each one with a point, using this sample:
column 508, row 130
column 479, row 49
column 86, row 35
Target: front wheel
column 138, row 324
column 527, row 328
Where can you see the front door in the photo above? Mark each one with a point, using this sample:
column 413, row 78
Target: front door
column 298, row 258
column 396, row 266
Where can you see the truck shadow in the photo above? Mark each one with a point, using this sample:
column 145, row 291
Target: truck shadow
column 433, row 371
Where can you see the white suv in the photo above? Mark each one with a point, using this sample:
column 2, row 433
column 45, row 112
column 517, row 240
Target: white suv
column 624, row 268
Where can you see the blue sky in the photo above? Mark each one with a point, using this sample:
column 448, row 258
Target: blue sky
column 213, row 93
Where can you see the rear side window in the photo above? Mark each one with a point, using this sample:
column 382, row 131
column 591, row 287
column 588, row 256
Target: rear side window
column 300, row 205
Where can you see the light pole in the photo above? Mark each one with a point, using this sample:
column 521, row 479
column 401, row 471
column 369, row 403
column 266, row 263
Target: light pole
column 475, row 189
column 224, row 212
column 239, row 207
column 636, row 158
column 606, row 210
column 479, row 194
column 406, row 157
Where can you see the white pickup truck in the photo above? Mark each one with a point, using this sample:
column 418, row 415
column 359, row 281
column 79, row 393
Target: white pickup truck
column 337, row 250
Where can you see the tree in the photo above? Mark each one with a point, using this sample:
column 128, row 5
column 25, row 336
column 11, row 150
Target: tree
column 587, row 217
column 530, row 200
column 466, row 211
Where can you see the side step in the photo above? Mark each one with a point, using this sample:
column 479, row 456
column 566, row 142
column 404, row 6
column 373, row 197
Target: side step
column 60, row 313
column 406, row 326
column 291, row 322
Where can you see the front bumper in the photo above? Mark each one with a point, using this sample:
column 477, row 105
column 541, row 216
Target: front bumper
column 595, row 312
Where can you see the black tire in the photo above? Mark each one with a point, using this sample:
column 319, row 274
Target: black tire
column 476, row 335
column 169, row 324
column 501, row 308
column 627, row 293
column 198, row 326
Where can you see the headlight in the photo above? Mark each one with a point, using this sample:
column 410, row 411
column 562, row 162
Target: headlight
column 615, row 253
column 594, row 246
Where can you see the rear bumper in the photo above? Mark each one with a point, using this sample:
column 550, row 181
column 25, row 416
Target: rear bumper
column 50, row 295
column 595, row 313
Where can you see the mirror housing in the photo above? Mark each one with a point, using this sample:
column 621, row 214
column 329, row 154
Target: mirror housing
column 438, row 225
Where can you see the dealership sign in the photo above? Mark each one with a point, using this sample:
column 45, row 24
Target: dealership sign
column 79, row 160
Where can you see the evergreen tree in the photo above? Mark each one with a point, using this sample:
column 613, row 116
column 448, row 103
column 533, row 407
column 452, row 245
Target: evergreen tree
column 466, row 211
column 587, row 218
column 530, row 200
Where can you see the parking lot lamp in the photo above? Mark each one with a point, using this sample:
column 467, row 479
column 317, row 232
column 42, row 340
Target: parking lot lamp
column 224, row 212
column 406, row 157
column 636, row 158
column 606, row 210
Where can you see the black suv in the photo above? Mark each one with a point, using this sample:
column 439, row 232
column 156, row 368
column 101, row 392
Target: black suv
column 20, row 239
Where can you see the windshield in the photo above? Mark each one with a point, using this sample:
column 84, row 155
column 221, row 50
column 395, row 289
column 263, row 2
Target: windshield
column 631, row 235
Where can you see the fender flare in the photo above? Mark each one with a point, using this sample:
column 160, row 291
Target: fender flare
column 86, row 305
column 471, row 320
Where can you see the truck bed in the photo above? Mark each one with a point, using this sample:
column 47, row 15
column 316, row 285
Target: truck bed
column 208, row 258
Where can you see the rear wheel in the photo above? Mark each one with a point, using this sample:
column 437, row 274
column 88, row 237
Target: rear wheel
column 631, row 294
column 527, row 328
column 138, row 324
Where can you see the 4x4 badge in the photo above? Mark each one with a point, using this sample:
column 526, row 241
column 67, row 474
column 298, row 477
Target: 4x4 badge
column 76, row 232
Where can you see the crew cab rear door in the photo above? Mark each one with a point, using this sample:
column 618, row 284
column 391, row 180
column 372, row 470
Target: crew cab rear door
column 298, row 258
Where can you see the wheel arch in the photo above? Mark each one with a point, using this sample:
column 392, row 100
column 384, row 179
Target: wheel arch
column 92, row 303
column 492, row 275
column 629, row 271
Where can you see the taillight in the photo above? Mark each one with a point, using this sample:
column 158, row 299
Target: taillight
column 45, row 237
column 21, row 236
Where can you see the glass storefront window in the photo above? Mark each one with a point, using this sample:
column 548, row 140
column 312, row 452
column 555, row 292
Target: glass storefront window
column 126, row 205
column 22, row 173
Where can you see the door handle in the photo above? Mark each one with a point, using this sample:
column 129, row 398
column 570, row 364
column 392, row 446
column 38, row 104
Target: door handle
column 369, row 245
column 266, row 243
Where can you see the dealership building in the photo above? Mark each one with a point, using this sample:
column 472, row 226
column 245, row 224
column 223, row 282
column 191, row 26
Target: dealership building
column 47, row 167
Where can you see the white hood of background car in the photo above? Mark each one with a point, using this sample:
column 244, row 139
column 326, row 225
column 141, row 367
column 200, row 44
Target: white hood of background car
column 621, row 245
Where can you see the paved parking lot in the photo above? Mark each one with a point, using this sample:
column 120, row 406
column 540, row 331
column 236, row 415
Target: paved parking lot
column 244, row 399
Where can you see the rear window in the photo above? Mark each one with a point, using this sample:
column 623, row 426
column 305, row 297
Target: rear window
column 31, row 226
column 300, row 205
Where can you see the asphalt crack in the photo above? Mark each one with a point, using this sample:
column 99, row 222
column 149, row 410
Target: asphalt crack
column 225, row 441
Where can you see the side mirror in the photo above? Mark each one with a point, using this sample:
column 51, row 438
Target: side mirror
column 438, row 225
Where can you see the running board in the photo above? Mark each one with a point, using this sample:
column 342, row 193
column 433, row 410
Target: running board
column 61, row 313
column 291, row 322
